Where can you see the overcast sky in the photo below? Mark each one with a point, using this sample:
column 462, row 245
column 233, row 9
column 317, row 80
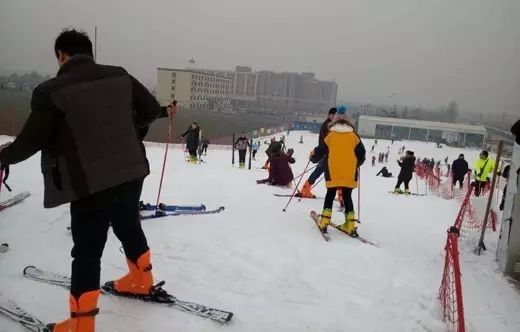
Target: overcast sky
column 415, row 52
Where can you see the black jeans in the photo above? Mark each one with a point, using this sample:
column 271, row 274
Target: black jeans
column 347, row 198
column 90, row 220
column 254, row 153
column 318, row 171
column 242, row 156
column 479, row 187
column 401, row 181
column 459, row 180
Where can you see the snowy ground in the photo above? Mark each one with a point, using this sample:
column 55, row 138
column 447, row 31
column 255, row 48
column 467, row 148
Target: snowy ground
column 272, row 269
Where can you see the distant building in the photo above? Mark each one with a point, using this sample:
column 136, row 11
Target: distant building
column 441, row 132
column 278, row 92
column 193, row 89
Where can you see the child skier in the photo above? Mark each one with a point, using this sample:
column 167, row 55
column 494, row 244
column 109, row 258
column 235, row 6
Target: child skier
column 407, row 164
column 204, row 143
column 255, row 147
column 344, row 153
column 241, row 144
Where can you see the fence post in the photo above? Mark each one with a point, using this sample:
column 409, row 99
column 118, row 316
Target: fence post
column 233, row 150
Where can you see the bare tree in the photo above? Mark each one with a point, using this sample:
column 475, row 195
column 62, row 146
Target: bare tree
column 453, row 111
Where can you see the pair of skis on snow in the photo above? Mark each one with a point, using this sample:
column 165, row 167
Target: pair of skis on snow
column 315, row 217
column 32, row 323
column 4, row 247
column 14, row 200
column 404, row 194
column 163, row 210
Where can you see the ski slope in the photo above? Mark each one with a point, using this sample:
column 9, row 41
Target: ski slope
column 271, row 268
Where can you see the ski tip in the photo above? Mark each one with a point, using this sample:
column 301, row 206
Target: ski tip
column 229, row 317
column 27, row 268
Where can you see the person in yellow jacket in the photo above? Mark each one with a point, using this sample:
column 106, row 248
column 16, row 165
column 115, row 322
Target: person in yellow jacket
column 344, row 153
column 482, row 169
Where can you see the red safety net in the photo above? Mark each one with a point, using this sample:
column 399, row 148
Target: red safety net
column 450, row 291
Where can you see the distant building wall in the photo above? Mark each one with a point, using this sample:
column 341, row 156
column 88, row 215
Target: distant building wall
column 442, row 132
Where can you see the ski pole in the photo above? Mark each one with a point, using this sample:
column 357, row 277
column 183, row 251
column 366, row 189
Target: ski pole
column 359, row 194
column 170, row 125
column 417, row 183
column 307, row 171
column 295, row 189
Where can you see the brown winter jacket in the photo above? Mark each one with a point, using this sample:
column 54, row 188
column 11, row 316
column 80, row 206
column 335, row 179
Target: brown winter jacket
column 324, row 130
column 88, row 122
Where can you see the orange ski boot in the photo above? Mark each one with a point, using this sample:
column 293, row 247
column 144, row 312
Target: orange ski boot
column 139, row 280
column 82, row 314
column 306, row 191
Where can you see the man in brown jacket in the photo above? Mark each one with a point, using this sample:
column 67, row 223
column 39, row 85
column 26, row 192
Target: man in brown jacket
column 89, row 122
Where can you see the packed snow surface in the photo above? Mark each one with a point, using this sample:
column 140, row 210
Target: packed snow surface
column 271, row 268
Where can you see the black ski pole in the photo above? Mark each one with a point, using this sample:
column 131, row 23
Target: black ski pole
column 233, row 150
column 250, row 152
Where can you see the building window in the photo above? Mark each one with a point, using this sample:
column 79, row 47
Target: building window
column 435, row 136
column 383, row 131
column 418, row 134
column 400, row 132
column 476, row 140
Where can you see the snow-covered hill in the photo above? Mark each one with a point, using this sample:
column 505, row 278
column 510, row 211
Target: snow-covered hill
column 271, row 268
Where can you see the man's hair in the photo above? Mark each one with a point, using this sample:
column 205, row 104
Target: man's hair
column 73, row 42
column 484, row 153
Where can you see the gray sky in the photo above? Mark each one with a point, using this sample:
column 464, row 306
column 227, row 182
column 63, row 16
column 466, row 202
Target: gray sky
column 427, row 52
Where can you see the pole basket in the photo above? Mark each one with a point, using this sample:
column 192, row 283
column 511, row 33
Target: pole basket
column 450, row 291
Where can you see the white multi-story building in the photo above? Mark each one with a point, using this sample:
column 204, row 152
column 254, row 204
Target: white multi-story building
column 193, row 89
column 281, row 92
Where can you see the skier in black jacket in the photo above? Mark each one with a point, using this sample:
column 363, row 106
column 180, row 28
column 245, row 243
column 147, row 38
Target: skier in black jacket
column 320, row 167
column 384, row 172
column 192, row 140
column 89, row 122
column 241, row 144
column 407, row 165
column 515, row 130
column 459, row 169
